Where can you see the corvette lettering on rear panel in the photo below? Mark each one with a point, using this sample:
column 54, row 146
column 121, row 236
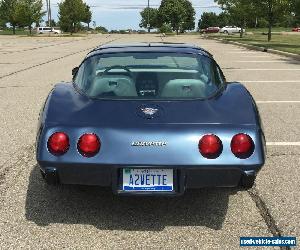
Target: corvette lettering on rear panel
column 148, row 143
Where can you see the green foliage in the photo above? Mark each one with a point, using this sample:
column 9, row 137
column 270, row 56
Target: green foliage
column 71, row 13
column 149, row 15
column 189, row 21
column 211, row 19
column 179, row 14
column 8, row 12
column 21, row 13
column 87, row 16
column 152, row 12
column 260, row 13
column 239, row 10
column 29, row 12
column 224, row 19
column 101, row 29
column 52, row 23
column 272, row 10
column 2, row 24
column 208, row 19
column 295, row 9
column 165, row 28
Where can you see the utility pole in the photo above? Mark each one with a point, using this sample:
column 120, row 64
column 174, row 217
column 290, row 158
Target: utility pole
column 47, row 4
column 49, row 14
column 148, row 22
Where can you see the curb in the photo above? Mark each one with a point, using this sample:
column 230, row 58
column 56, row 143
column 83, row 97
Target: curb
column 257, row 48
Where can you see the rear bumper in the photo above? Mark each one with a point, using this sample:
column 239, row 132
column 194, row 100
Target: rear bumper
column 185, row 177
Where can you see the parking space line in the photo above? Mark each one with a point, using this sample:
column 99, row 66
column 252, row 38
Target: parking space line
column 243, row 52
column 274, row 61
column 283, row 143
column 258, row 56
column 262, row 102
column 285, row 81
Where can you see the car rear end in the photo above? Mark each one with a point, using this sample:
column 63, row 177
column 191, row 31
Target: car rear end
column 155, row 158
column 158, row 136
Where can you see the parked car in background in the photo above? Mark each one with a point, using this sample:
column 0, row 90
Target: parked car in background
column 231, row 30
column 210, row 30
column 297, row 29
column 47, row 30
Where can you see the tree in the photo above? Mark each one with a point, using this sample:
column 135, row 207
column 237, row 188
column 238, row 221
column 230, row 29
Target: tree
column 189, row 21
column 224, row 19
column 179, row 14
column 295, row 9
column 8, row 12
column 71, row 13
column 101, row 29
column 150, row 13
column 272, row 10
column 87, row 17
column 165, row 28
column 52, row 23
column 239, row 10
column 208, row 19
column 2, row 24
column 29, row 12
column 211, row 19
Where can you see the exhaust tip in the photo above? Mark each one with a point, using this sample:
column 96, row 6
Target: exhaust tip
column 50, row 175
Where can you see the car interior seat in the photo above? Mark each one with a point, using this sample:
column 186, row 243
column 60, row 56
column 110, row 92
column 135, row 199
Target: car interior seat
column 182, row 88
column 112, row 85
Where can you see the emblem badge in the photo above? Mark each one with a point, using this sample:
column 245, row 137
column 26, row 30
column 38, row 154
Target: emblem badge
column 149, row 111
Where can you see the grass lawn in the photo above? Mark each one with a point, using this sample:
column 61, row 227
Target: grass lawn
column 22, row 32
column 18, row 32
column 274, row 29
column 284, row 42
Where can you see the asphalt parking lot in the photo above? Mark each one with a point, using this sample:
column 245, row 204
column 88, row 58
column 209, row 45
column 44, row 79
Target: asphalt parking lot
column 34, row 215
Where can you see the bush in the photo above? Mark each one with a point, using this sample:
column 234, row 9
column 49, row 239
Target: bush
column 101, row 29
column 165, row 28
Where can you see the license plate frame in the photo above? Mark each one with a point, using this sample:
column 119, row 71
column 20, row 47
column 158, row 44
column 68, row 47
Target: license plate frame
column 167, row 183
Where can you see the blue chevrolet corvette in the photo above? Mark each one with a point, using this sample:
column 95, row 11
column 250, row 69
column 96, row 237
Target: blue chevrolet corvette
column 150, row 119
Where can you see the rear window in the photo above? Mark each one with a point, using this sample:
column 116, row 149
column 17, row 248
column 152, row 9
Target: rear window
column 149, row 76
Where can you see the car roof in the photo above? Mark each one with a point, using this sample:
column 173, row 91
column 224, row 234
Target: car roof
column 149, row 47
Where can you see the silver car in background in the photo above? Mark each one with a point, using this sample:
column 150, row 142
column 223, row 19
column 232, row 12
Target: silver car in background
column 231, row 30
column 47, row 30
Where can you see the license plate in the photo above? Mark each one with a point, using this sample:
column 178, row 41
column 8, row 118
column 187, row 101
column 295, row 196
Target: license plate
column 154, row 180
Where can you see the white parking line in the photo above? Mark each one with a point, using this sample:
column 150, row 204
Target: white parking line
column 269, row 102
column 286, row 81
column 283, row 143
column 258, row 56
column 275, row 61
column 243, row 52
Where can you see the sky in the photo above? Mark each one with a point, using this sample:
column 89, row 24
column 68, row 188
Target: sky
column 125, row 14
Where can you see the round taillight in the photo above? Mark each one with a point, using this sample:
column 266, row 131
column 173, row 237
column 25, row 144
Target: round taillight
column 242, row 146
column 89, row 145
column 58, row 143
column 210, row 146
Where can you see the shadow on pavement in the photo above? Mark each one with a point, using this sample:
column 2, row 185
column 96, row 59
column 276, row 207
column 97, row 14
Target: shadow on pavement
column 97, row 206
